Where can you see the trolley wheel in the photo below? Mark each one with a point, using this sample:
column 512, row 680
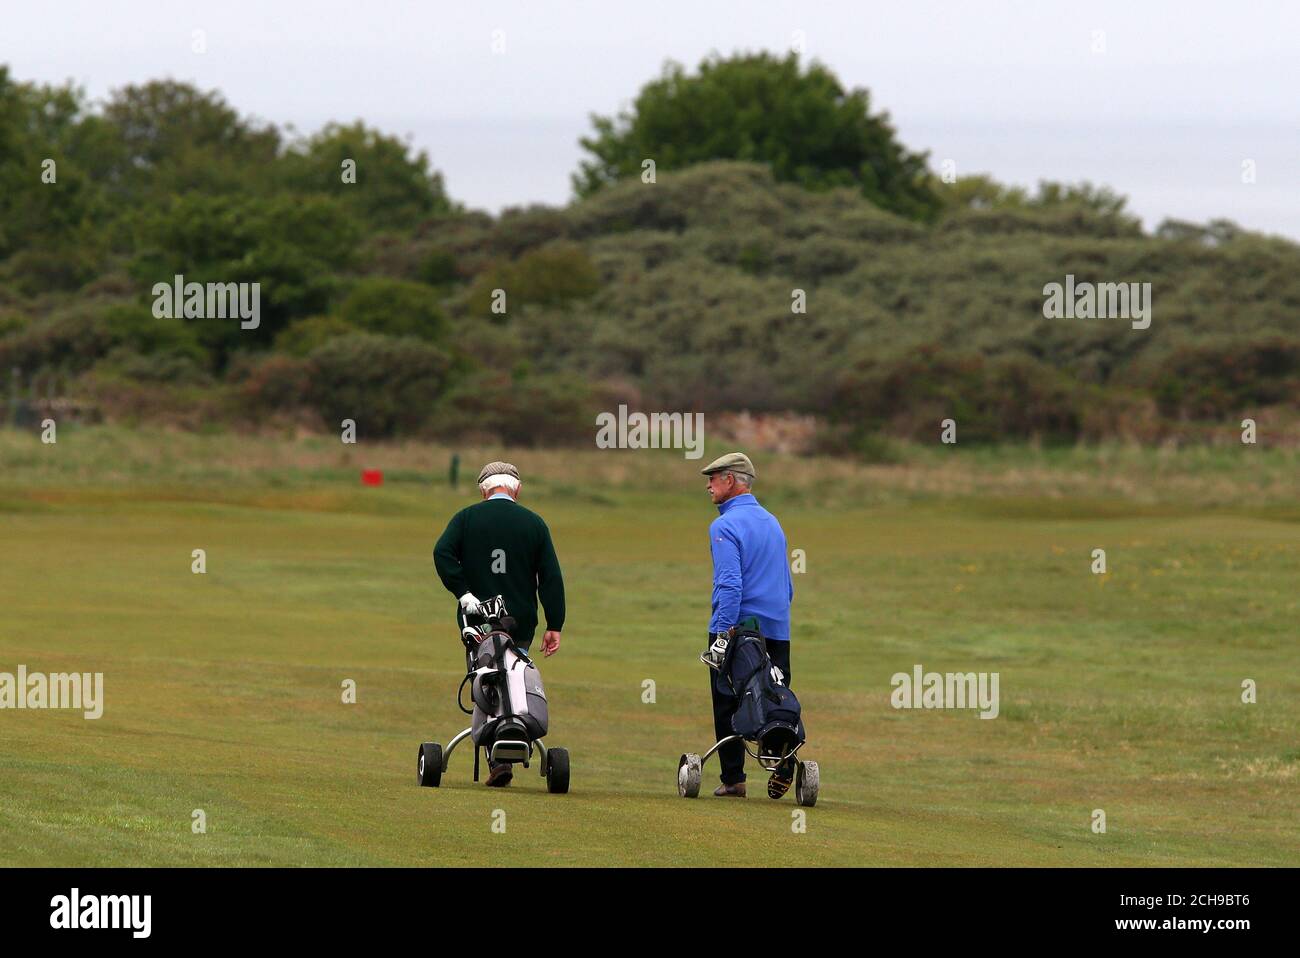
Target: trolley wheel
column 806, row 782
column 430, row 766
column 690, row 771
column 557, row 771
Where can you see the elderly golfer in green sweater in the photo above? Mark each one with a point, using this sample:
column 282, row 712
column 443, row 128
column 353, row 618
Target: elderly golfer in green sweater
column 497, row 547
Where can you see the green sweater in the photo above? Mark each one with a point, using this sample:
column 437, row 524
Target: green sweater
column 497, row 547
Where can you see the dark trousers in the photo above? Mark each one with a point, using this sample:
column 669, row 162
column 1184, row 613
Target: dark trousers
column 732, row 755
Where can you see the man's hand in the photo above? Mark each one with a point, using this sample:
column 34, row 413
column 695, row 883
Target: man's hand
column 469, row 604
column 550, row 644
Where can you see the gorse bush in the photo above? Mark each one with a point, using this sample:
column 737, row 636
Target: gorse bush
column 386, row 385
column 71, row 341
column 395, row 308
column 1226, row 378
column 551, row 275
column 989, row 399
column 270, row 384
column 519, row 410
column 158, row 367
column 303, row 336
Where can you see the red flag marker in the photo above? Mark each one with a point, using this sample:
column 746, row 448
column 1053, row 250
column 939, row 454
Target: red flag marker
column 372, row 477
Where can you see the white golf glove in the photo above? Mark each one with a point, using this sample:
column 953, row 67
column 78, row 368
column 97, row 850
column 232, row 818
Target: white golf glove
column 469, row 604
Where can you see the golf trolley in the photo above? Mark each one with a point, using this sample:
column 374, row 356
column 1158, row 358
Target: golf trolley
column 508, row 708
column 766, row 720
column 690, row 770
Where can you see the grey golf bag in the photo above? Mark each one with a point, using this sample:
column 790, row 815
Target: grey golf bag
column 509, row 701
column 507, row 704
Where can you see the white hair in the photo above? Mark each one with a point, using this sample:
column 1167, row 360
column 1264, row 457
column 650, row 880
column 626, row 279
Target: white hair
column 496, row 480
column 741, row 478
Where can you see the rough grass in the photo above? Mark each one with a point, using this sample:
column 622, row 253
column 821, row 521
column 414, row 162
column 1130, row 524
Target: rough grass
column 1118, row 692
column 1238, row 477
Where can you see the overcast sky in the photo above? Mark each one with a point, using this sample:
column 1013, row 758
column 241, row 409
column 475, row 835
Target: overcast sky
column 1161, row 100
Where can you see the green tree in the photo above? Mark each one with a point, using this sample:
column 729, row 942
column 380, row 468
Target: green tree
column 292, row 247
column 392, row 187
column 763, row 108
column 172, row 138
column 50, row 207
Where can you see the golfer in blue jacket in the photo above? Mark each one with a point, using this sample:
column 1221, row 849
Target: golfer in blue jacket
column 751, row 581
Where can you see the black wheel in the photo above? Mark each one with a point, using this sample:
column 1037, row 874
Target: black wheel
column 557, row 771
column 430, row 767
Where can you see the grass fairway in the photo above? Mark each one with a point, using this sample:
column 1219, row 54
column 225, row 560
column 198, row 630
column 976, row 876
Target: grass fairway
column 1119, row 692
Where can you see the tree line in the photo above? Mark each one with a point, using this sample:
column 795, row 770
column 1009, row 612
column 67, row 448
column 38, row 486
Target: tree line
column 674, row 284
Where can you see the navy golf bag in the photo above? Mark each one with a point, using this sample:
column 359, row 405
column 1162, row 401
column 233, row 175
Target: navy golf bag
column 767, row 712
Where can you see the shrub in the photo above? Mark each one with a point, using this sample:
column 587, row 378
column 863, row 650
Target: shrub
column 75, row 341
column 305, row 335
column 550, row 276
column 72, row 341
column 520, row 410
column 991, row 400
column 1223, row 378
column 267, row 385
column 387, row 385
column 171, row 368
column 42, row 270
column 136, row 328
column 438, row 268
column 394, row 307
column 523, row 228
column 11, row 322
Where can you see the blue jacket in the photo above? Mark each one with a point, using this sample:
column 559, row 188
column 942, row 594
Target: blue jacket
column 751, row 572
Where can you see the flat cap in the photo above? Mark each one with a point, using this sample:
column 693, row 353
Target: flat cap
column 731, row 462
column 498, row 469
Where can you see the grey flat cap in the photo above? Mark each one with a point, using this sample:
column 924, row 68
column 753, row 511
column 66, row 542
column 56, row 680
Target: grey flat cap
column 731, row 462
column 498, row 469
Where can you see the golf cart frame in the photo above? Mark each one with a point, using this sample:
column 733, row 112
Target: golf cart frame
column 769, row 762
column 460, row 736
column 807, row 776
